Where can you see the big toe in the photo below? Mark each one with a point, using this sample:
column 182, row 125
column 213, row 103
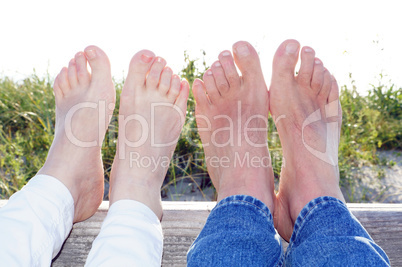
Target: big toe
column 99, row 63
column 247, row 60
column 139, row 67
column 285, row 60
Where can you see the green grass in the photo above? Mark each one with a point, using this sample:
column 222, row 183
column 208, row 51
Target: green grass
column 27, row 126
column 27, row 113
column 370, row 123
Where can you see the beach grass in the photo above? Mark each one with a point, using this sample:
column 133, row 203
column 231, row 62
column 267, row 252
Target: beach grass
column 27, row 117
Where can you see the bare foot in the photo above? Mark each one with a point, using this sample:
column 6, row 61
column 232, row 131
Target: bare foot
column 308, row 118
column 84, row 104
column 231, row 115
column 153, row 105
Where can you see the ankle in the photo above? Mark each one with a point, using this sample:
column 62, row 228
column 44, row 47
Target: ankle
column 139, row 190
column 260, row 191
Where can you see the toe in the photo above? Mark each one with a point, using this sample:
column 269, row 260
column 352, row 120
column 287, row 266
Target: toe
column 229, row 68
column 200, row 96
column 317, row 80
column 154, row 74
column 174, row 88
column 333, row 98
column 334, row 91
column 72, row 73
column 220, row 80
column 247, row 61
column 137, row 72
column 166, row 78
column 333, row 107
column 326, row 87
column 306, row 66
column 83, row 75
column 285, row 60
column 181, row 100
column 210, row 86
column 56, row 89
column 99, row 63
column 63, row 82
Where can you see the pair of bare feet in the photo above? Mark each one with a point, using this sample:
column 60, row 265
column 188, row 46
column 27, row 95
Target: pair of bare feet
column 152, row 112
column 307, row 115
column 231, row 112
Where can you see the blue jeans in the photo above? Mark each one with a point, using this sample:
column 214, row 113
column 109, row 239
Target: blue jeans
column 240, row 232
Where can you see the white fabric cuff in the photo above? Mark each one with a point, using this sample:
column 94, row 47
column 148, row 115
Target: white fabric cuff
column 35, row 222
column 131, row 235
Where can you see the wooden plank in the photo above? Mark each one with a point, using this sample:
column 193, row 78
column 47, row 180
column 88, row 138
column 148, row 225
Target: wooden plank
column 182, row 221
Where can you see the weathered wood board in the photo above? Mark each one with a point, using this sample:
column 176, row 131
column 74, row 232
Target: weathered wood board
column 182, row 221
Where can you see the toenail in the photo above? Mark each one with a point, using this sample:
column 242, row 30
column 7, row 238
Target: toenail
column 308, row 50
column 90, row 53
column 292, row 48
column 159, row 60
column 226, row 54
column 242, row 50
column 217, row 64
column 317, row 61
column 209, row 72
column 146, row 58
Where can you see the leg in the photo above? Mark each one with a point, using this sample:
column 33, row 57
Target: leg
column 327, row 233
column 231, row 115
column 310, row 203
column 35, row 222
column 84, row 106
column 152, row 112
column 69, row 187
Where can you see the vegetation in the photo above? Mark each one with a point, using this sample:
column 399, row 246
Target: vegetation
column 369, row 123
column 27, row 114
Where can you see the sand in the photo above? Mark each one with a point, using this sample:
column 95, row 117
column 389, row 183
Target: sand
column 369, row 186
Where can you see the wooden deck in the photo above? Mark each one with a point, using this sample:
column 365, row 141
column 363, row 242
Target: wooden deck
column 183, row 221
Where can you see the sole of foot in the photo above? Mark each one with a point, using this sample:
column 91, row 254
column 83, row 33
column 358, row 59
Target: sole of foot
column 153, row 107
column 308, row 116
column 231, row 114
column 84, row 104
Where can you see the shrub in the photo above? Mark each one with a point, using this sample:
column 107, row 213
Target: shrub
column 27, row 113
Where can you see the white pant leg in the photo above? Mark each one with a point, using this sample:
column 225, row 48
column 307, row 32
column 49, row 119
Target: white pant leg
column 35, row 222
column 131, row 235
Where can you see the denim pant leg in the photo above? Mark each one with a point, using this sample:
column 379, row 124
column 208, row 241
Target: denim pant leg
column 327, row 234
column 238, row 232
